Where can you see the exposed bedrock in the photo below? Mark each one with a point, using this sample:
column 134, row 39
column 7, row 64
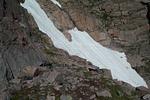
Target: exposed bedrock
column 16, row 47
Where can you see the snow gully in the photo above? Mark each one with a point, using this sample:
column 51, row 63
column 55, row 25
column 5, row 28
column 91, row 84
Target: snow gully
column 84, row 46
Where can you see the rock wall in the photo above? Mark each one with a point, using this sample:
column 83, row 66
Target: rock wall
column 16, row 47
column 118, row 24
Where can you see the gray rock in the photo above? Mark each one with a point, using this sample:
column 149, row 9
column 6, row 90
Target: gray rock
column 4, row 96
column 106, row 73
column 50, row 97
column 29, row 71
column 57, row 87
column 15, row 81
column 104, row 93
column 65, row 97
column 33, row 71
column 92, row 88
column 52, row 76
column 142, row 89
column 92, row 97
column 146, row 97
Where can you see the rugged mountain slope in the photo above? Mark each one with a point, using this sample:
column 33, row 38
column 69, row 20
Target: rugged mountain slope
column 123, row 21
column 120, row 25
column 22, row 45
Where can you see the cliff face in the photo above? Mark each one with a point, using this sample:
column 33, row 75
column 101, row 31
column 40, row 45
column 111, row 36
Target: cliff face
column 124, row 23
column 120, row 25
column 16, row 47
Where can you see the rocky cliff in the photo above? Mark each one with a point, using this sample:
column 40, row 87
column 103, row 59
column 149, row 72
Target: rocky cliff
column 32, row 68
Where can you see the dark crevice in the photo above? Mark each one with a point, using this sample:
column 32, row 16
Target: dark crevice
column 148, row 10
column 9, row 75
column 4, row 8
column 4, row 4
column 147, row 4
column 74, row 23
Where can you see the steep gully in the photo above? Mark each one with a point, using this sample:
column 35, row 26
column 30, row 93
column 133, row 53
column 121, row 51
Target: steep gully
column 85, row 47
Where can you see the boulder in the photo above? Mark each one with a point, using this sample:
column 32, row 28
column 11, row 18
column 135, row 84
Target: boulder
column 33, row 71
column 52, row 76
column 146, row 97
column 104, row 93
column 65, row 97
column 50, row 97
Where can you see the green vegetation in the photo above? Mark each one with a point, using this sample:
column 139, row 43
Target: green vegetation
column 35, row 93
column 87, row 74
column 116, row 91
column 147, row 66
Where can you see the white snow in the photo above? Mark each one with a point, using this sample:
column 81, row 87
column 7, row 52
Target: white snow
column 56, row 2
column 84, row 46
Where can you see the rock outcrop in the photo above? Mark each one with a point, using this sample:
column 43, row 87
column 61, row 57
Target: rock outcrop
column 16, row 47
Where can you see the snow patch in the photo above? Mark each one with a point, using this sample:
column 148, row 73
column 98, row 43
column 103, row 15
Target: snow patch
column 56, row 2
column 84, row 46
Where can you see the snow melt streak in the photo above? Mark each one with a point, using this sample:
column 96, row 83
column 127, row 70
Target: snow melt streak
column 56, row 2
column 84, row 46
